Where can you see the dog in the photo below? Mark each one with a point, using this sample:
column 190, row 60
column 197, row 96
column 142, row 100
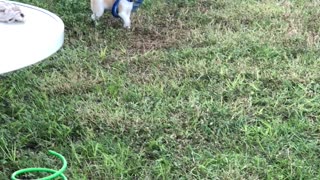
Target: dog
column 124, row 11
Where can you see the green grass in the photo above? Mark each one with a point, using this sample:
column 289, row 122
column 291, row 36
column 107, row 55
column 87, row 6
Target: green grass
column 206, row 89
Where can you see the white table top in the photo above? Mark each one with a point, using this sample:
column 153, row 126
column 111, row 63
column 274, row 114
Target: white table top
column 24, row 44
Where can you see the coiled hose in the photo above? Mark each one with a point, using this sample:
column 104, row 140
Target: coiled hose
column 54, row 173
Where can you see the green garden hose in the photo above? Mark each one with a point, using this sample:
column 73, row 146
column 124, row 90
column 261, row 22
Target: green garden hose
column 55, row 173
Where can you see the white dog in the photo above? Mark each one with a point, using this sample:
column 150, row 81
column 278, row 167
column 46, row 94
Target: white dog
column 124, row 11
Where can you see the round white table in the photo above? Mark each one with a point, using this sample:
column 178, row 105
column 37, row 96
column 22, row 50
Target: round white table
column 27, row 43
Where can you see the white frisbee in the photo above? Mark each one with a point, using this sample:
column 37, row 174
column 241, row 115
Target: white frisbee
column 27, row 43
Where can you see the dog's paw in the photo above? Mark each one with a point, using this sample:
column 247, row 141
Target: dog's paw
column 127, row 27
column 94, row 20
column 96, row 23
column 94, row 17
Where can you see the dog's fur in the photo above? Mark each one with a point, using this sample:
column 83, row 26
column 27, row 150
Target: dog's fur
column 99, row 6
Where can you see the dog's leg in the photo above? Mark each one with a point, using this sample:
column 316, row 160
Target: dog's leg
column 126, row 19
column 125, row 13
column 97, row 8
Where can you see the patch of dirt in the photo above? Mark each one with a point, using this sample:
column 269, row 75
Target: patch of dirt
column 159, row 35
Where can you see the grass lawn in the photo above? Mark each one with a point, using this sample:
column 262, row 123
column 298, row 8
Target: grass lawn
column 197, row 89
